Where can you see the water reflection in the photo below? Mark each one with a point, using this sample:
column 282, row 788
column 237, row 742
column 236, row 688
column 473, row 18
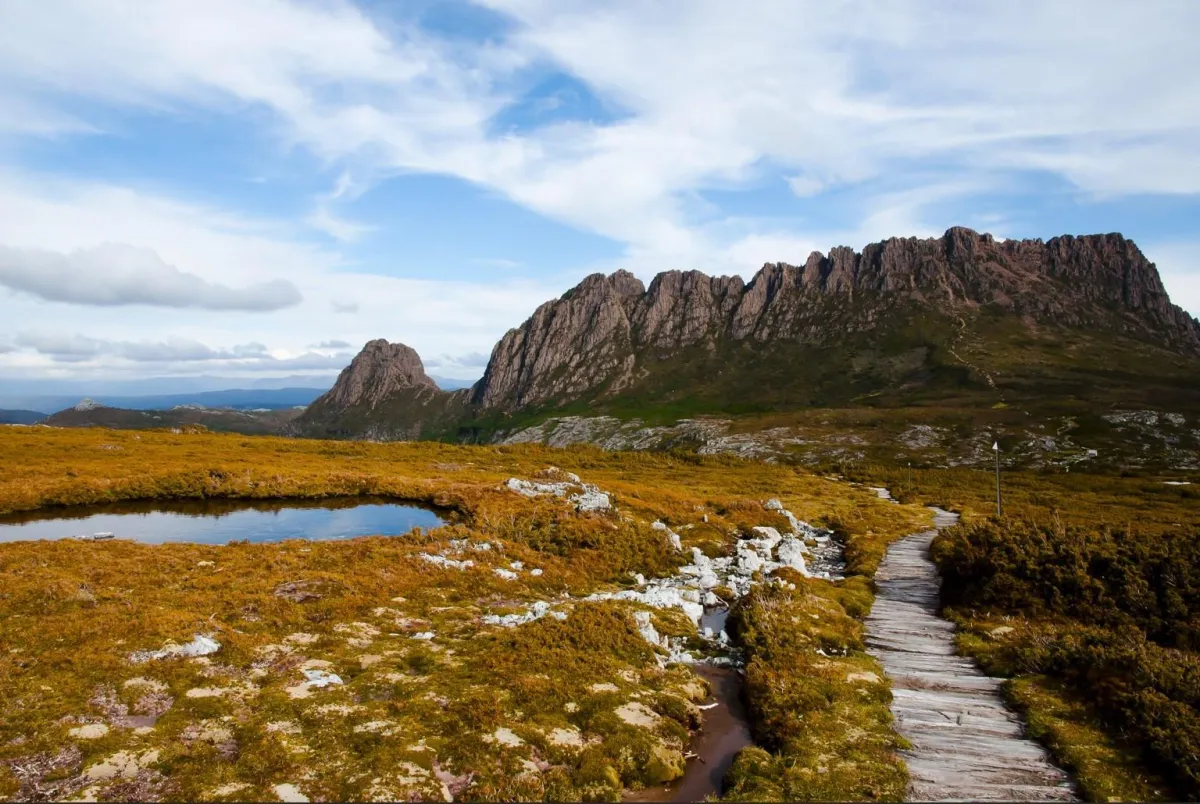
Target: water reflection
column 221, row 521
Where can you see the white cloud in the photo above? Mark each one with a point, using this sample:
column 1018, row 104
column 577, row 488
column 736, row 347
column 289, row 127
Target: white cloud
column 831, row 93
column 805, row 186
column 337, row 228
column 497, row 262
column 338, row 304
column 116, row 274
column 1179, row 265
column 918, row 108
column 60, row 347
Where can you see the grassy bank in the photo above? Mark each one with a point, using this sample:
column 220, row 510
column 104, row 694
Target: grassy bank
column 435, row 701
column 1098, row 614
column 1066, row 596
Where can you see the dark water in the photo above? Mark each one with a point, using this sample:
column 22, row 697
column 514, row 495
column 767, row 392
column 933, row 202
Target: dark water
column 223, row 521
column 726, row 730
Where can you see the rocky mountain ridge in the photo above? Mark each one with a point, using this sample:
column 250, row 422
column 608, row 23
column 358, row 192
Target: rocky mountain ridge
column 906, row 317
column 595, row 334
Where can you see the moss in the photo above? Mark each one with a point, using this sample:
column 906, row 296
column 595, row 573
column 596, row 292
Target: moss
column 665, row 765
column 1106, row 767
column 827, row 725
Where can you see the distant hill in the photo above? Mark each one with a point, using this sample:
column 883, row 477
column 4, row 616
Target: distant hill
column 236, row 398
column 448, row 384
column 249, row 422
column 20, row 416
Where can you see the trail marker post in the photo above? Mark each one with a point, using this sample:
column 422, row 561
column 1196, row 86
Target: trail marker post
column 999, row 507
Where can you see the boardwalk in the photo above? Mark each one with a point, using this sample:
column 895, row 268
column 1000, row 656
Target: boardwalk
column 966, row 743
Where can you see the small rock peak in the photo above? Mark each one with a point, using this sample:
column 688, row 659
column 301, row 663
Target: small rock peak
column 378, row 370
column 626, row 284
column 961, row 243
column 85, row 404
column 961, row 233
column 591, row 283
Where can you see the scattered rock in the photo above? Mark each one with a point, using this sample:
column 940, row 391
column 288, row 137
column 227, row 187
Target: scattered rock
column 566, row 737
column 123, row 764
column 304, row 590
column 283, row 727
column 505, row 736
column 314, row 679
column 446, row 563
column 637, row 714
column 228, row 789
column 201, row 645
column 90, row 731
column 289, row 792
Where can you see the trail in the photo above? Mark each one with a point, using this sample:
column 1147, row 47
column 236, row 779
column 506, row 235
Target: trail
column 966, row 742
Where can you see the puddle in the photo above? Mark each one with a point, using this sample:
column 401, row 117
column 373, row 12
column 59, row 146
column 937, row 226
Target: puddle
column 726, row 730
column 222, row 521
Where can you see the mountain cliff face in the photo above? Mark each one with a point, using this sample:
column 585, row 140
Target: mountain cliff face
column 906, row 321
column 384, row 394
column 608, row 330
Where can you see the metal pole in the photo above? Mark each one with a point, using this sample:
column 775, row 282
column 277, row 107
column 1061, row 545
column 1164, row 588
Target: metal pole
column 999, row 507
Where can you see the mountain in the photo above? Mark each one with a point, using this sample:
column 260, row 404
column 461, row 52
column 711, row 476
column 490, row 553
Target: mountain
column 88, row 413
column 20, row 416
column 962, row 321
column 384, row 394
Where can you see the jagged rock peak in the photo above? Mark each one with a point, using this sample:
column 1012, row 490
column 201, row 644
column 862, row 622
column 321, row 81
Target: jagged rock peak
column 378, row 370
column 597, row 339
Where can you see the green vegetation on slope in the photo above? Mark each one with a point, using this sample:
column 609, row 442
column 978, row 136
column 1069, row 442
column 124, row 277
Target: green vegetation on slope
column 1111, row 614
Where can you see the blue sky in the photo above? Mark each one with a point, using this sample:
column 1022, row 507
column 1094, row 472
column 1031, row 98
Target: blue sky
column 236, row 187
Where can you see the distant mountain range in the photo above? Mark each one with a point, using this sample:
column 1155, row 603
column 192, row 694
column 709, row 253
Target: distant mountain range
column 238, row 398
column 1073, row 325
column 20, row 416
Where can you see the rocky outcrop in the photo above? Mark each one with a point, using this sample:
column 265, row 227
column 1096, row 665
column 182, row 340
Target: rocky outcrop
column 599, row 337
column 383, row 395
column 379, row 370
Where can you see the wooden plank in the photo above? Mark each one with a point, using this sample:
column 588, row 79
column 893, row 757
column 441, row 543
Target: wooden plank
column 967, row 745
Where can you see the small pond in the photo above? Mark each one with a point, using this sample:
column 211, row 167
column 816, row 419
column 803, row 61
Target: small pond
column 223, row 521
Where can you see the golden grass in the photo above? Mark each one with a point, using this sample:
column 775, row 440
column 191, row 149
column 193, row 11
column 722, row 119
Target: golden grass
column 413, row 714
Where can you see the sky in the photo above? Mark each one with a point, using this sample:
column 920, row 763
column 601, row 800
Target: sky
column 254, row 188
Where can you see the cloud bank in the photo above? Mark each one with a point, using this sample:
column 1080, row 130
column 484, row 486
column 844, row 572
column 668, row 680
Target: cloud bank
column 114, row 274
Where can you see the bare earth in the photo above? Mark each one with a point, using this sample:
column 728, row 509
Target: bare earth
column 966, row 743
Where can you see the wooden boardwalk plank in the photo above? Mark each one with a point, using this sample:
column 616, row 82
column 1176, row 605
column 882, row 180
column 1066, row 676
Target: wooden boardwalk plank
column 967, row 745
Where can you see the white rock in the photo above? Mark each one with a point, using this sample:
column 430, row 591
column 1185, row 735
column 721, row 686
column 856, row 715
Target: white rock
column 290, row 793
column 201, row 645
column 89, row 731
column 447, row 563
column 591, row 499
column 321, row 678
column 507, row 575
column 507, row 737
column 567, row 737
column 791, row 553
